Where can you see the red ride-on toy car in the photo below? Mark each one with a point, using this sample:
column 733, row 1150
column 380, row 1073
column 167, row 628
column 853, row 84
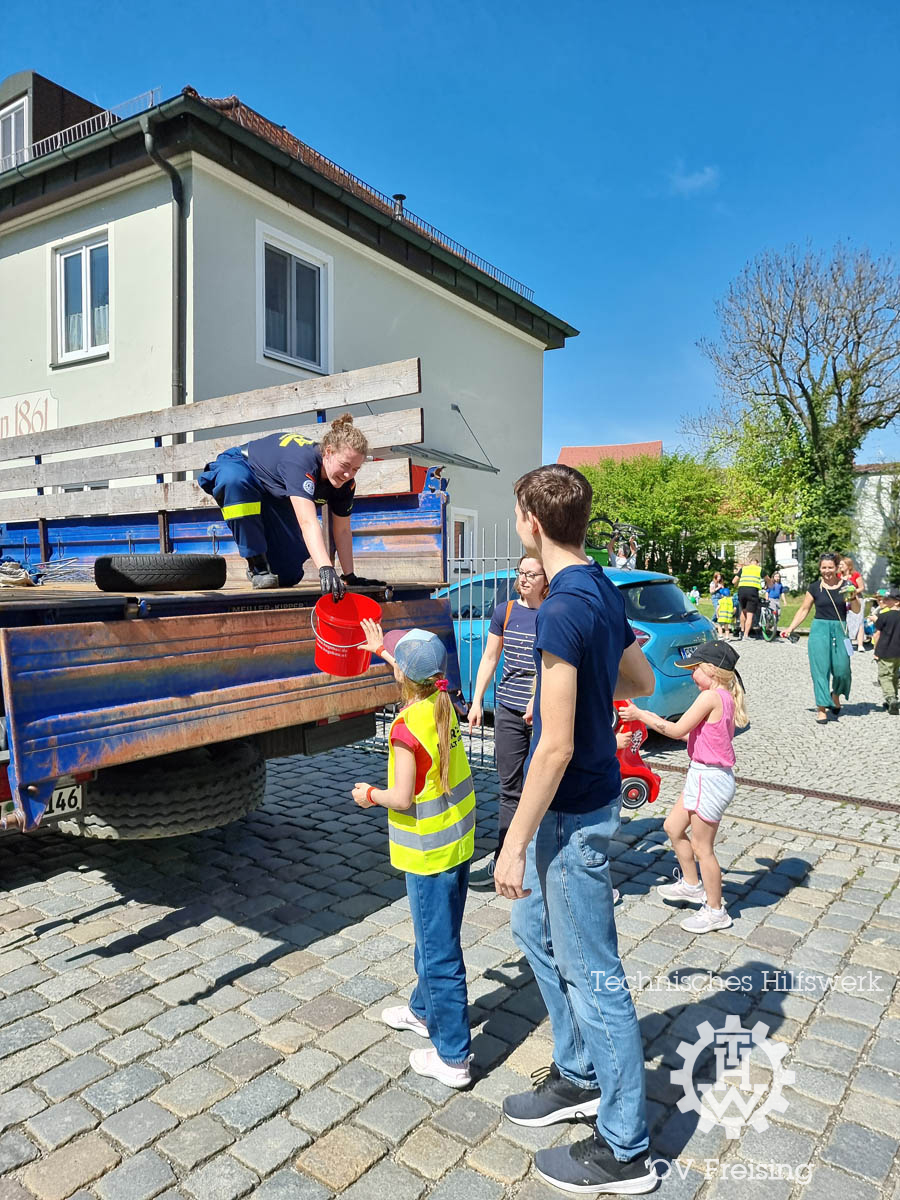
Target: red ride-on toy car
column 640, row 785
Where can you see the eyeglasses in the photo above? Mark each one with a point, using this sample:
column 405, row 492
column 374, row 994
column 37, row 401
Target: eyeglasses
column 529, row 576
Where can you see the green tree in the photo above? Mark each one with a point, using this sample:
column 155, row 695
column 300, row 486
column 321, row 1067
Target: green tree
column 815, row 343
column 759, row 453
column 682, row 505
column 890, row 542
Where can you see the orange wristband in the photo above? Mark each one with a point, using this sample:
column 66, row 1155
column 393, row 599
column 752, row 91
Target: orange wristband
column 380, row 651
column 369, row 792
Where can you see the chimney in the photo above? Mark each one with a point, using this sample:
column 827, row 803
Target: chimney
column 398, row 199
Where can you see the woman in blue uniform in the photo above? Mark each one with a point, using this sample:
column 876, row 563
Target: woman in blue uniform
column 269, row 492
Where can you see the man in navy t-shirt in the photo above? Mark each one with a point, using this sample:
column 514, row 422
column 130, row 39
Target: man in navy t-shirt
column 554, row 862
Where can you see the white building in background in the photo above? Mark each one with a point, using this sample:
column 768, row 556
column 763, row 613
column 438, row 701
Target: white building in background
column 288, row 266
column 877, row 504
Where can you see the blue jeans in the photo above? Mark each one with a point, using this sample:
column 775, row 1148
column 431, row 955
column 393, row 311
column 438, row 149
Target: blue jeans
column 568, row 934
column 440, row 998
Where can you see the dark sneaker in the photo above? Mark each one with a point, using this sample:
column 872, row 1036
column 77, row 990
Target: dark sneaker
column 263, row 579
column 551, row 1099
column 483, row 879
column 894, row 708
column 589, row 1166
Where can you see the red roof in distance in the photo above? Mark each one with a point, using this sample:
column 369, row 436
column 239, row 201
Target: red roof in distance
column 577, row 456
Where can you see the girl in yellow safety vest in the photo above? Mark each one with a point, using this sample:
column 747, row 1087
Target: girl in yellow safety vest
column 430, row 800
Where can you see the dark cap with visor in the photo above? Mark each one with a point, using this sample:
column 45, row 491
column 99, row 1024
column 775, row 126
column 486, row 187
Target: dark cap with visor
column 717, row 654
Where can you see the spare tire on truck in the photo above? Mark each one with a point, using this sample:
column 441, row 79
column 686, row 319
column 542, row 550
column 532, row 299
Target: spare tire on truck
column 171, row 795
column 159, row 572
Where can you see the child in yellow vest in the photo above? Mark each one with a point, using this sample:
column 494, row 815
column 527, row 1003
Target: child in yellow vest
column 431, row 824
column 725, row 613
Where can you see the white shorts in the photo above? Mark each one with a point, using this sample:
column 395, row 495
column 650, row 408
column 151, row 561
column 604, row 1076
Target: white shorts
column 708, row 791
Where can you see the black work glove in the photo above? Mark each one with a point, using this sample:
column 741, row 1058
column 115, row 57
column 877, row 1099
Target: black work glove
column 361, row 581
column 330, row 581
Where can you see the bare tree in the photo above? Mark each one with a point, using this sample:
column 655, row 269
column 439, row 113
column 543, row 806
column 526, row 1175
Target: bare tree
column 816, row 341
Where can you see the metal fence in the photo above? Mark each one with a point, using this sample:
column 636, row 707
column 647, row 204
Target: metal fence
column 479, row 577
column 75, row 133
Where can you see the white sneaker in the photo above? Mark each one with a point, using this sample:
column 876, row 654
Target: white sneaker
column 617, row 896
column 402, row 1017
column 706, row 920
column 679, row 890
column 429, row 1062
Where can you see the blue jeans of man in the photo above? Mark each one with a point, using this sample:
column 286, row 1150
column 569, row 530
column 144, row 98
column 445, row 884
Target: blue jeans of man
column 567, row 931
column 440, row 998
column 260, row 523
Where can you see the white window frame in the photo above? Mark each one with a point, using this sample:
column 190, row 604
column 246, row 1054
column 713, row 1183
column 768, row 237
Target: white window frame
column 20, row 102
column 469, row 519
column 267, row 235
column 81, row 246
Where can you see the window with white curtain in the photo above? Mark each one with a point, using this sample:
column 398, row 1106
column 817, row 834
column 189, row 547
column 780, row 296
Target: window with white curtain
column 293, row 307
column 13, row 122
column 82, row 274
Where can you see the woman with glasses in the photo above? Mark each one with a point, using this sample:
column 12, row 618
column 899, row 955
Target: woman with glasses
column 512, row 633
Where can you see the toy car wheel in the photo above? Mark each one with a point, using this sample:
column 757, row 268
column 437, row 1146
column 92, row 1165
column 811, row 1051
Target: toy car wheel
column 635, row 792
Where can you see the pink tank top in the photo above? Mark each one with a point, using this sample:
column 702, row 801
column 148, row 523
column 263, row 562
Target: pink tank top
column 712, row 743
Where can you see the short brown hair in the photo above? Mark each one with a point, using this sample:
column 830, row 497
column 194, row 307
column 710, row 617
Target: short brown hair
column 516, row 589
column 560, row 498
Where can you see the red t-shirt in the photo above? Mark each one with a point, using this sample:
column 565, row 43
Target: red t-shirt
column 403, row 736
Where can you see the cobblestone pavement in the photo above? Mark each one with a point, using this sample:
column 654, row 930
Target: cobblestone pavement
column 198, row 1018
column 855, row 754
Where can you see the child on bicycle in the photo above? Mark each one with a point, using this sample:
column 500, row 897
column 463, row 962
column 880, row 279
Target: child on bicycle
column 430, row 800
column 708, row 728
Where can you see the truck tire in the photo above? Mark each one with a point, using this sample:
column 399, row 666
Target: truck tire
column 172, row 795
column 159, row 572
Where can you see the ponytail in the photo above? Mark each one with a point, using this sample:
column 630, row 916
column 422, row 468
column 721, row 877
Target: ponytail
column 344, row 435
column 730, row 682
column 410, row 691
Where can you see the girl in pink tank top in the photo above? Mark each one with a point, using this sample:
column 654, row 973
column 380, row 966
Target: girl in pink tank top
column 708, row 728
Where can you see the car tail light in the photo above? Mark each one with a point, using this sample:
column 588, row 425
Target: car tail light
column 641, row 636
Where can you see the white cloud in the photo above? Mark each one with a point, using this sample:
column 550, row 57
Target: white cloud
column 691, row 183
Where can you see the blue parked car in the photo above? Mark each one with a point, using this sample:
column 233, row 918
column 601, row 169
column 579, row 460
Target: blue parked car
column 666, row 624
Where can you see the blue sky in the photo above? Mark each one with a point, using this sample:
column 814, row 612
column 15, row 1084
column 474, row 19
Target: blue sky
column 624, row 160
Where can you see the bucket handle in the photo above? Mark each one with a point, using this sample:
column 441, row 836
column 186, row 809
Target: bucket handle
column 330, row 645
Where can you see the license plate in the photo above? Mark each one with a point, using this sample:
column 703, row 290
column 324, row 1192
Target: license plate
column 66, row 798
column 684, row 651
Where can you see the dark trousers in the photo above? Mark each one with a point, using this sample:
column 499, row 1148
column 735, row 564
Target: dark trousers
column 260, row 523
column 512, row 741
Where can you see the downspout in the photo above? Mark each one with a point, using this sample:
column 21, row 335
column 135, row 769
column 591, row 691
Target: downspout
column 179, row 258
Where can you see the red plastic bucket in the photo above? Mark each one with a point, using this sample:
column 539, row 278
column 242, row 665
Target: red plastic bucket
column 338, row 633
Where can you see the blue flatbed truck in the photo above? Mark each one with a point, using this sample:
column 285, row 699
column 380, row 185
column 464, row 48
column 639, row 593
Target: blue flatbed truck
column 147, row 712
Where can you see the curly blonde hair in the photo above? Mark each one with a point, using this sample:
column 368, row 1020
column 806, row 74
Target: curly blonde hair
column 344, row 435
column 731, row 683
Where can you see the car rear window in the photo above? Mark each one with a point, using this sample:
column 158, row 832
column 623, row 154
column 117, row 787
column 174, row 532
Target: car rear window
column 474, row 600
column 657, row 601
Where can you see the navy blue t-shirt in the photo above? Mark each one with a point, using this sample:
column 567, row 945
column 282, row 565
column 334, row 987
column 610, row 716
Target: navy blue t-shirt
column 582, row 621
column 287, row 464
column 516, row 687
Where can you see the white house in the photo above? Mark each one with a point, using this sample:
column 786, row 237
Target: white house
column 178, row 250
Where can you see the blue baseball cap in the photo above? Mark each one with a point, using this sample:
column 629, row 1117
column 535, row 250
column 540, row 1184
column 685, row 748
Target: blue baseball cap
column 418, row 653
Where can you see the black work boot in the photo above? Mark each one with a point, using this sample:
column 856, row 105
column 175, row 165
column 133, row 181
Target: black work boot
column 551, row 1099
column 260, row 573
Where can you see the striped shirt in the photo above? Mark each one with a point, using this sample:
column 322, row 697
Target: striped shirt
column 516, row 686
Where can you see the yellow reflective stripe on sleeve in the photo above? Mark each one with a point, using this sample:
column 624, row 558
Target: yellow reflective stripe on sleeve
column 242, row 510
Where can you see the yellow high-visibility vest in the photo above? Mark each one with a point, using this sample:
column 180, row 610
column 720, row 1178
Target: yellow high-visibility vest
column 438, row 831
column 725, row 610
column 750, row 577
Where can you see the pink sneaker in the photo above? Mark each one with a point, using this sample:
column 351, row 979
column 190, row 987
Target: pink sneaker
column 429, row 1062
column 402, row 1017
